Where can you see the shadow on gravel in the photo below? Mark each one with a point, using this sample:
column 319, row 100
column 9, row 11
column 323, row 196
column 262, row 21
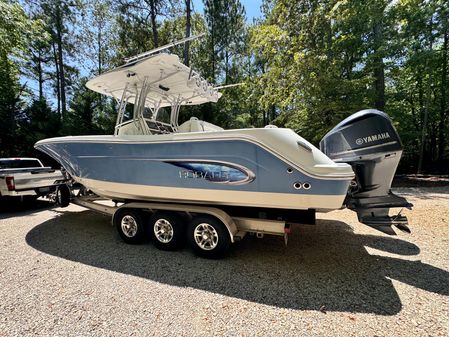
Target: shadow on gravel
column 12, row 207
column 424, row 193
column 324, row 267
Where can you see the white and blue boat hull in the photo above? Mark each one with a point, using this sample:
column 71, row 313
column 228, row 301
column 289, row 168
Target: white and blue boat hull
column 220, row 168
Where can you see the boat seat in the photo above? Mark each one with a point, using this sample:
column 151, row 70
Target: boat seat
column 131, row 128
column 196, row 125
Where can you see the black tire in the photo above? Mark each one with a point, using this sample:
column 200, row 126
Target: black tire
column 218, row 243
column 63, row 195
column 167, row 230
column 131, row 225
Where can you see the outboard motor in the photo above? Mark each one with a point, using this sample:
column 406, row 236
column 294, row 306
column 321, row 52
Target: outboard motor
column 368, row 141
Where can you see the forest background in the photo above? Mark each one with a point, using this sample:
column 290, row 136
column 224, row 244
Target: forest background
column 305, row 64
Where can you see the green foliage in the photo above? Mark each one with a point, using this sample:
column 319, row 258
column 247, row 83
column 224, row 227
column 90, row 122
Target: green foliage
column 322, row 60
column 138, row 25
column 418, row 82
column 305, row 65
column 224, row 51
column 174, row 30
column 312, row 75
column 89, row 113
column 226, row 31
column 97, row 34
column 38, row 121
column 16, row 29
column 9, row 91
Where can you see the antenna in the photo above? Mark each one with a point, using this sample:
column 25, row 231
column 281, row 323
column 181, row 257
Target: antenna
column 156, row 50
column 229, row 85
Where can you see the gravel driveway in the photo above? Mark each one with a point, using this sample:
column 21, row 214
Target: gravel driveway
column 65, row 272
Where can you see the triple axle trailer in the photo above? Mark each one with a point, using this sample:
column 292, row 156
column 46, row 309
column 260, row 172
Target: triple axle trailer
column 209, row 231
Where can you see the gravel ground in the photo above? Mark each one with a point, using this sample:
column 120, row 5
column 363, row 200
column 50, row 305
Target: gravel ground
column 65, row 272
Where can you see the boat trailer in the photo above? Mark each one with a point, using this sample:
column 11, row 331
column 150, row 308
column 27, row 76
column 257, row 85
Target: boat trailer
column 210, row 230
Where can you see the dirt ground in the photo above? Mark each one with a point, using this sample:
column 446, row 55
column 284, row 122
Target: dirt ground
column 65, row 272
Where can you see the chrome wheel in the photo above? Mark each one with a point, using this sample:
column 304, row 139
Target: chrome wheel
column 163, row 230
column 206, row 237
column 129, row 226
column 168, row 230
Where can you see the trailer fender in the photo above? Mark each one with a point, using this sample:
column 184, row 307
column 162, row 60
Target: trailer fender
column 216, row 212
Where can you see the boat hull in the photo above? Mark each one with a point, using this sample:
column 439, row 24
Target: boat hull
column 208, row 171
column 121, row 192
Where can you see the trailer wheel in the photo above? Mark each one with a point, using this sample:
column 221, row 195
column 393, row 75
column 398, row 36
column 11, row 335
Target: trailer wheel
column 168, row 230
column 208, row 237
column 130, row 225
column 63, row 195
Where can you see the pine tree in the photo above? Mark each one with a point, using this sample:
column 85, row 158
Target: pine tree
column 96, row 34
column 59, row 14
column 16, row 30
column 38, row 121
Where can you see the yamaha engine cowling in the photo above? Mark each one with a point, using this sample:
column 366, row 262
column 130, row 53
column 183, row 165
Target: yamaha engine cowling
column 368, row 141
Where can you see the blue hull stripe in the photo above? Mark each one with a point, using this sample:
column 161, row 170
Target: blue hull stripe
column 149, row 164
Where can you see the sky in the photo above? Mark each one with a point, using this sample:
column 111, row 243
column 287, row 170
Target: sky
column 252, row 8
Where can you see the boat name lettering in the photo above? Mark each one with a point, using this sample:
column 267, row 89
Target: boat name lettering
column 214, row 172
column 207, row 175
column 372, row 138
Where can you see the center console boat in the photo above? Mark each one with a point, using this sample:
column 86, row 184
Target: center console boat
column 267, row 172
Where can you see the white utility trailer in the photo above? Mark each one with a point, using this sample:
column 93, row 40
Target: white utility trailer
column 209, row 231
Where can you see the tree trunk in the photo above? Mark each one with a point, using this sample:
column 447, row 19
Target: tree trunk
column 432, row 136
column 188, row 29
column 61, row 61
column 212, row 34
column 100, row 51
column 379, row 75
column 40, row 75
column 273, row 114
column 153, row 15
column 7, row 111
column 442, row 123
column 58, row 90
column 226, row 66
column 379, row 69
column 420, row 90
column 426, row 110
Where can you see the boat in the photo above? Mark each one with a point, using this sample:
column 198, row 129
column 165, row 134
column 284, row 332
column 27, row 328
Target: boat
column 152, row 158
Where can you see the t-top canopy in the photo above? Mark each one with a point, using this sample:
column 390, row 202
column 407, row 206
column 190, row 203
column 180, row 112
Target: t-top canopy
column 168, row 81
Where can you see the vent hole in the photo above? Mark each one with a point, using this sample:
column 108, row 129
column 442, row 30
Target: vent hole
column 289, row 170
column 297, row 185
column 306, row 186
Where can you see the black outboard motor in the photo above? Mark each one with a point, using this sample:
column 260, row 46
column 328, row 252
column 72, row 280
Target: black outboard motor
column 368, row 141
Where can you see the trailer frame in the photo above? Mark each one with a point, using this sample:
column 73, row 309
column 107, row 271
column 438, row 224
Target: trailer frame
column 237, row 226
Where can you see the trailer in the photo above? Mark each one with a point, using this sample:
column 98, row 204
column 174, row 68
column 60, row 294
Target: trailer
column 209, row 231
